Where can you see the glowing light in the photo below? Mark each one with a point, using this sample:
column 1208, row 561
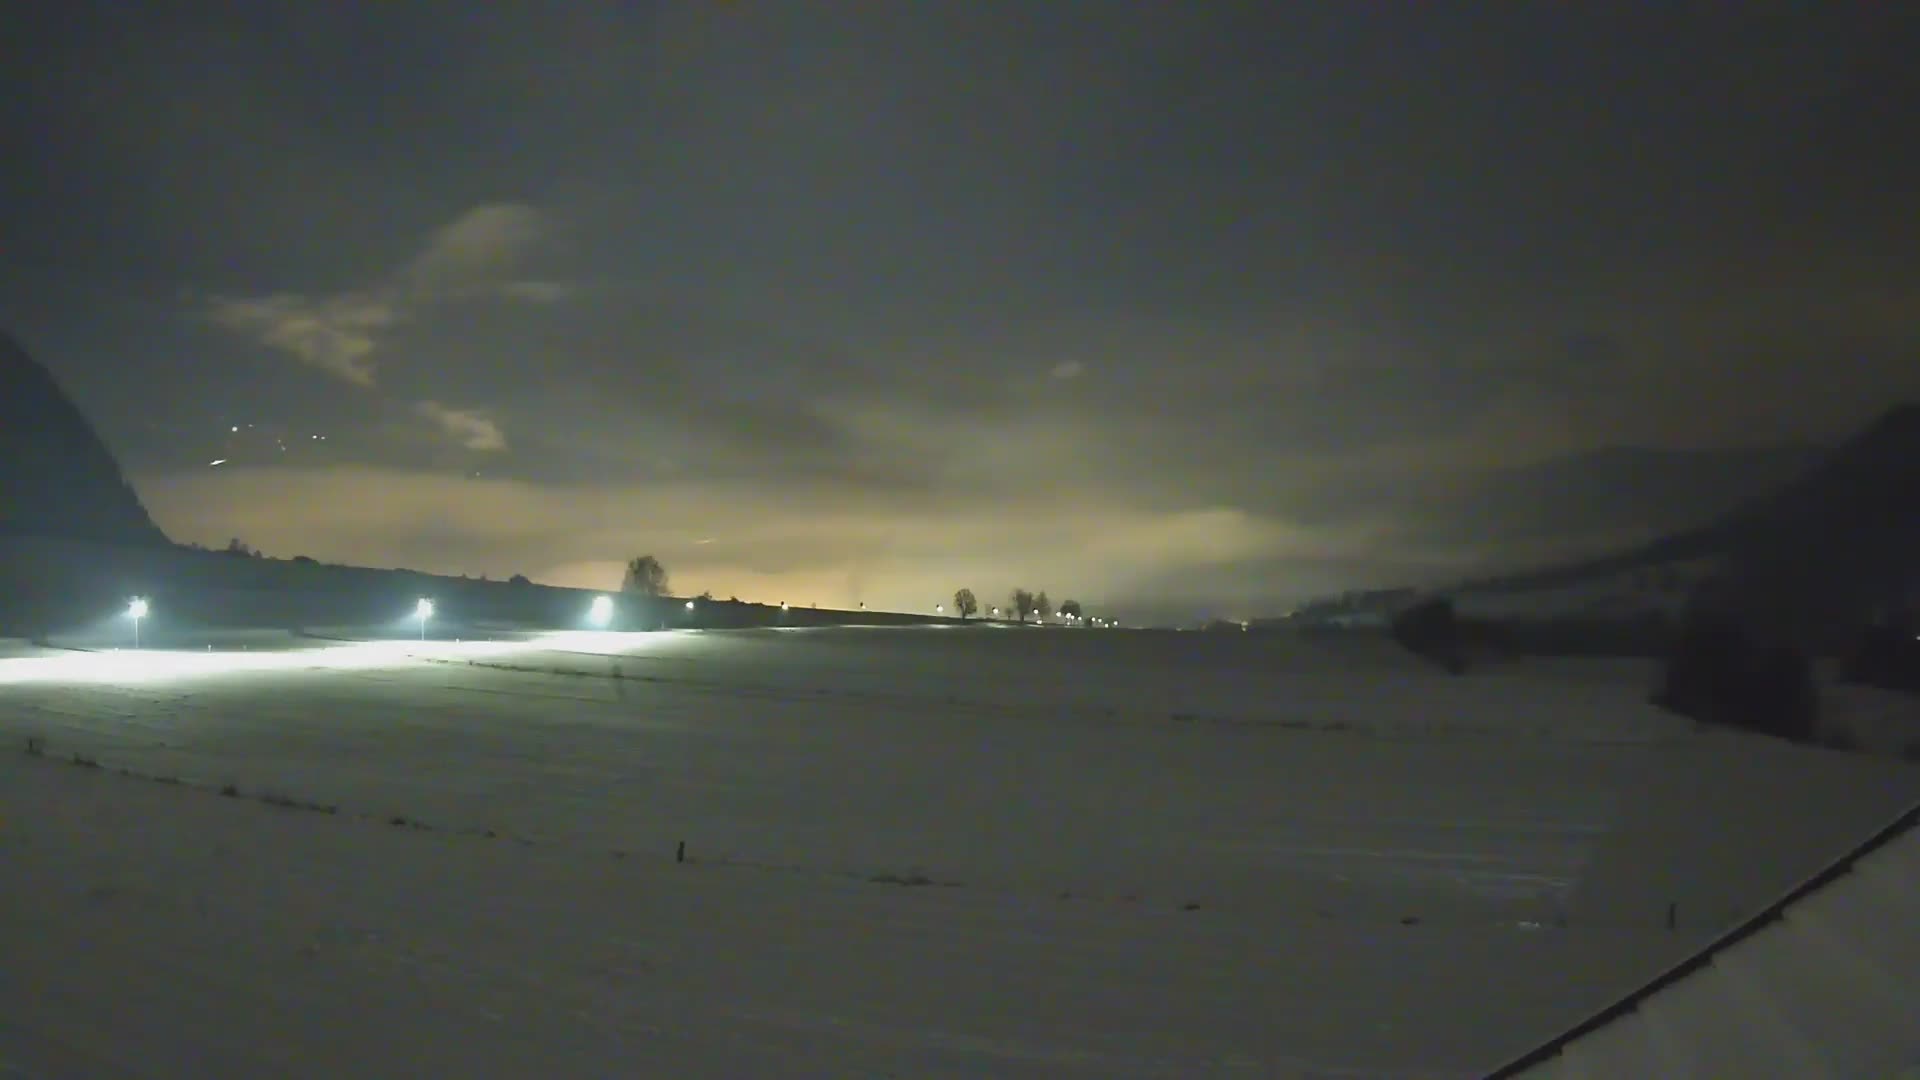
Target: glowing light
column 689, row 605
column 423, row 609
column 137, row 610
column 601, row 613
column 217, row 461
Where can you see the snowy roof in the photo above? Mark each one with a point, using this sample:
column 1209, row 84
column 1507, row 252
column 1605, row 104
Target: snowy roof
column 1824, row 982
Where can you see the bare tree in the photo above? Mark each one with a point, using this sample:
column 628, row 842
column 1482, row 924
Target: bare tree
column 965, row 604
column 1022, row 604
column 1042, row 606
column 1072, row 609
column 645, row 577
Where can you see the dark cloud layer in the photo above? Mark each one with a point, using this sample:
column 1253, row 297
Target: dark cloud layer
column 1182, row 309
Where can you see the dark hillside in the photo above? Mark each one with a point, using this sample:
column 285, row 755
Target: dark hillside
column 1837, row 543
column 57, row 478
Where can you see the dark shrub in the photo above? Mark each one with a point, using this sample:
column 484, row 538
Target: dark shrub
column 1710, row 656
column 1647, row 634
column 1717, row 674
column 1495, row 638
column 1885, row 655
column 1429, row 629
column 1783, row 699
column 1840, row 739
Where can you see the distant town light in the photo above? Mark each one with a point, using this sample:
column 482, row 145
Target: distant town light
column 689, row 605
column 601, row 611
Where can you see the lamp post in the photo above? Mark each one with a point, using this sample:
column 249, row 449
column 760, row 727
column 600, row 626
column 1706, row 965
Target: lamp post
column 423, row 611
column 137, row 610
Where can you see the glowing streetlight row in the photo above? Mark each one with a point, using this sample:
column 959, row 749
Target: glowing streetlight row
column 599, row 613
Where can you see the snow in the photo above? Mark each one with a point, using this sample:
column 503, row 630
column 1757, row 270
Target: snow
column 1144, row 854
column 1824, row 983
column 1876, row 721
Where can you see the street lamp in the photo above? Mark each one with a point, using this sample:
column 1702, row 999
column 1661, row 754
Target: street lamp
column 423, row 610
column 137, row 610
column 600, row 613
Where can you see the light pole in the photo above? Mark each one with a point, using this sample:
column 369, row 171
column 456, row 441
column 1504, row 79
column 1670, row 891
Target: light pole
column 423, row 611
column 136, row 611
column 601, row 613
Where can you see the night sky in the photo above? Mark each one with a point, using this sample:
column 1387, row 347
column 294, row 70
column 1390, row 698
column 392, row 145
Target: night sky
column 1180, row 309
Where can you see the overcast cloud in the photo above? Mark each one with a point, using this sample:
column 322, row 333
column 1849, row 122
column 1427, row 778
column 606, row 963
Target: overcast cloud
column 1182, row 310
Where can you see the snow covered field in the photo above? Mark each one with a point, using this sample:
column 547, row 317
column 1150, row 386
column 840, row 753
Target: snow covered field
column 912, row 852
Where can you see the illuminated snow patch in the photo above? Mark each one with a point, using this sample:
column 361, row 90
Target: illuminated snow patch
column 157, row 665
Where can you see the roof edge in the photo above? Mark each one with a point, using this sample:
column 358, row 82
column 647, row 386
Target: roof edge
column 1762, row 919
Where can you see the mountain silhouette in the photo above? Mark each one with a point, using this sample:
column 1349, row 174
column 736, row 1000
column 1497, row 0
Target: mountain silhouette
column 1844, row 539
column 57, row 478
column 1838, row 541
column 1622, row 490
column 1865, row 492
